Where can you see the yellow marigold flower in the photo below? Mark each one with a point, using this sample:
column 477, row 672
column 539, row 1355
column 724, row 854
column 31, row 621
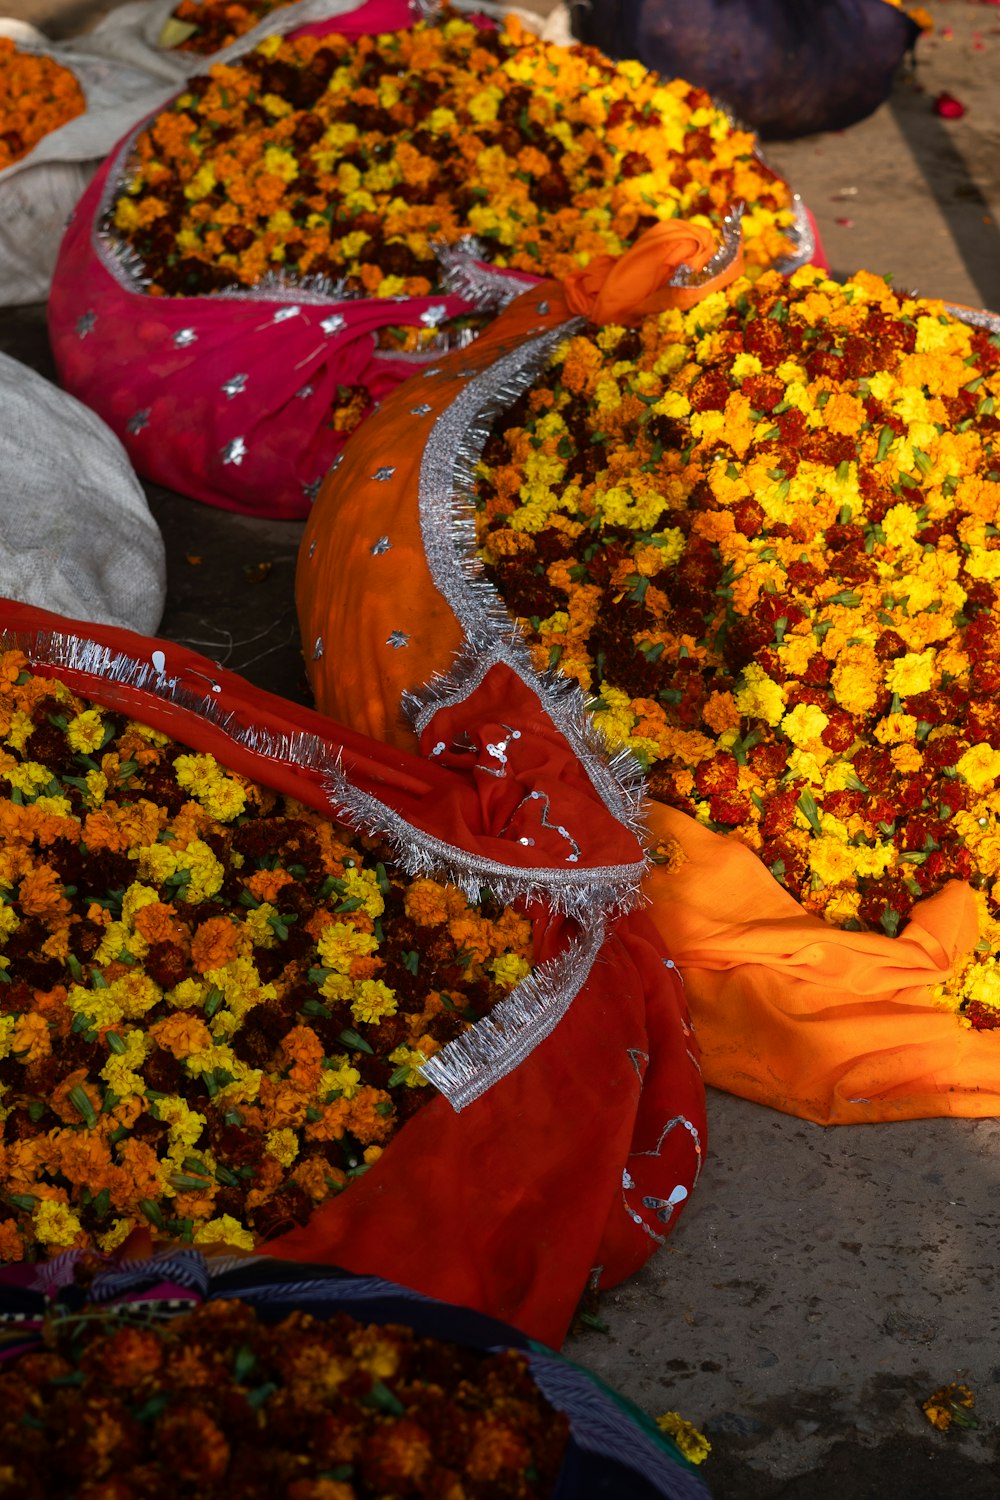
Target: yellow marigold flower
column 694, row 1445
column 373, row 1000
column 912, row 673
column 896, row 729
column 56, row 1224
column 508, row 970
column 362, row 885
column 282, row 1145
column 413, row 1061
column 804, row 724
column 224, row 1230
column 85, row 731
column 9, row 921
column 854, row 678
column 338, row 1076
column 101, row 1006
column 979, row 766
column 115, row 1236
column 280, row 163
column 338, row 944
column 760, row 697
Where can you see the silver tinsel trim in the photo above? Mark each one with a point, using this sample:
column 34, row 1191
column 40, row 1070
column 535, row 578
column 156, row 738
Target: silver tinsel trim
column 61, row 649
column 576, row 890
column 802, row 236
column 975, row 317
column 471, row 1064
column 464, row 272
column 731, row 238
column 448, row 526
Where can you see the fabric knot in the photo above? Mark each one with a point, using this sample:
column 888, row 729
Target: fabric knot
column 625, row 288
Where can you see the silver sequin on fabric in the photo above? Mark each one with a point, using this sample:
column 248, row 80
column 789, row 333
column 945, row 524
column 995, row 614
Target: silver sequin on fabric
column 138, row 421
column 397, row 639
column 385, row 472
column 432, row 316
column 318, row 648
column 377, row 549
column 335, row 323
column 86, row 322
column 311, row 490
column 234, row 386
column 284, row 313
column 421, row 411
column 183, row 337
column 234, row 452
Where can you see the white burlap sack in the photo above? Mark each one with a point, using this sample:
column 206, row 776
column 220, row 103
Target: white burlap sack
column 124, row 74
column 76, row 534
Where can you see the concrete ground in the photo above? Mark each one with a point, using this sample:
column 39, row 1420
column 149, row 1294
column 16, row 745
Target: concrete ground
column 823, row 1281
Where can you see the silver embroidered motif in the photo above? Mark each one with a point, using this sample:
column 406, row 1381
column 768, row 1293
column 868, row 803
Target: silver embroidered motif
column 336, row 463
column 385, row 472
column 183, row 337
column 312, row 548
column 138, row 421
column 311, row 490
column 334, row 323
column 284, row 313
column 85, row 324
column 542, row 307
column 421, row 411
column 397, row 639
column 305, row 391
column 383, row 545
column 318, row 648
column 432, row 316
column 234, row 386
column 234, row 452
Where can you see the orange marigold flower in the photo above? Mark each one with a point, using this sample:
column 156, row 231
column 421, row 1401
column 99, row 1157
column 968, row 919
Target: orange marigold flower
column 41, row 894
column 181, row 1034
column 215, row 944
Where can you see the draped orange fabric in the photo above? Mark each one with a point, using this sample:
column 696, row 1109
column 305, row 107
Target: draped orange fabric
column 832, row 1026
column 625, row 288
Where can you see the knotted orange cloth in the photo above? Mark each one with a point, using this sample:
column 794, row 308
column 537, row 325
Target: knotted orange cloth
column 836, row 1027
column 626, row 288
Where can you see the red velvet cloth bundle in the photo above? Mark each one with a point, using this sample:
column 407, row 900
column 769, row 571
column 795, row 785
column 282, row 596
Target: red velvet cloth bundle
column 578, row 1157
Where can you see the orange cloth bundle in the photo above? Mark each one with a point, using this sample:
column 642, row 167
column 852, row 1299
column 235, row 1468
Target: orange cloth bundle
column 837, row 1026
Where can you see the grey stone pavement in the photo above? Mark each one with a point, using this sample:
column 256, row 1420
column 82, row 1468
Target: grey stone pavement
column 822, row 1282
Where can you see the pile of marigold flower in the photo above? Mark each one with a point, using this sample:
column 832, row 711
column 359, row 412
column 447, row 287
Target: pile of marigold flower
column 217, row 1402
column 765, row 534
column 37, row 95
column 214, row 1004
column 352, row 160
column 206, row 26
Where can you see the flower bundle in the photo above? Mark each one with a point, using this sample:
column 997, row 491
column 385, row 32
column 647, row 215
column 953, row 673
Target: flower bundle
column 354, row 161
column 765, row 534
column 37, row 95
column 215, row 1002
column 221, row 1401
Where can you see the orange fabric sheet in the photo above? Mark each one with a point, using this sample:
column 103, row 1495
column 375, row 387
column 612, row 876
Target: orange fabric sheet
column 831, row 1026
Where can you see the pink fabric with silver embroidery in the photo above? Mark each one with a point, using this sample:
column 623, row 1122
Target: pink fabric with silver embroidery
column 225, row 398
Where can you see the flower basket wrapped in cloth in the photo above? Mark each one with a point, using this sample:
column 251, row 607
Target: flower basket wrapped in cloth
column 171, row 1375
column 786, row 67
column 88, row 92
column 263, row 262
column 76, row 533
column 761, row 532
column 435, row 1049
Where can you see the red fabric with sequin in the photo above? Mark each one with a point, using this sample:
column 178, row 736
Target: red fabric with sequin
column 581, row 1157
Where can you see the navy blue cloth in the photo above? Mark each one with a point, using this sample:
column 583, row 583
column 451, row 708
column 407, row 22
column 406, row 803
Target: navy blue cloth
column 784, row 67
